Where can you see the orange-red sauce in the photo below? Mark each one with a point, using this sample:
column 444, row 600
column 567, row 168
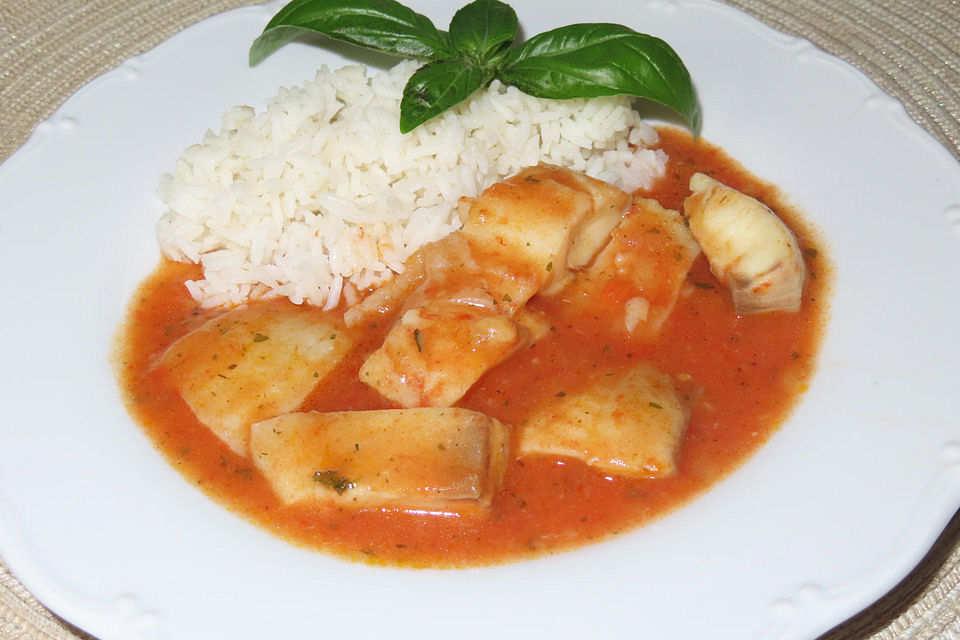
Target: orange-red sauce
column 742, row 375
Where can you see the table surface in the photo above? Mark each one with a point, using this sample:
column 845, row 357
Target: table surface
column 910, row 48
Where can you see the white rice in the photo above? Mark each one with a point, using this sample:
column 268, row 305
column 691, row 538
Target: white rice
column 321, row 189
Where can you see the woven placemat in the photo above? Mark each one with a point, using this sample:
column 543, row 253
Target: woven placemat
column 911, row 48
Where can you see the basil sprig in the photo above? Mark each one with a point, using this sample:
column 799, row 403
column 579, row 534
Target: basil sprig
column 576, row 61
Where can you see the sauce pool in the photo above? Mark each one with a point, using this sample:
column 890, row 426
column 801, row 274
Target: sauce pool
column 741, row 376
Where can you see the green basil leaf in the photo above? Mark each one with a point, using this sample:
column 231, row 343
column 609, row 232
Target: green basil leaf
column 384, row 25
column 590, row 60
column 437, row 86
column 482, row 28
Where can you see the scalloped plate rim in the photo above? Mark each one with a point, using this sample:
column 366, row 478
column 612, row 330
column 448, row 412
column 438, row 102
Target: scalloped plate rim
column 31, row 571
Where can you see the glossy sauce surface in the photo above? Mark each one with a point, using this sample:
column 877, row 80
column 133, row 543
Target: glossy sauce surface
column 741, row 376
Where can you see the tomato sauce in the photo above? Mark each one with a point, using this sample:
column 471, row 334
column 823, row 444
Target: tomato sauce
column 740, row 375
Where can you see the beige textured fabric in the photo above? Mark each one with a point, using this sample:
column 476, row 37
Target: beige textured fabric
column 911, row 48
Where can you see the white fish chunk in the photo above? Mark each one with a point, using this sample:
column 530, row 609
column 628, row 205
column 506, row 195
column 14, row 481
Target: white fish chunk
column 543, row 222
column 627, row 422
column 253, row 363
column 609, row 206
column 636, row 279
column 451, row 330
column 749, row 248
column 434, row 355
column 464, row 317
column 438, row 459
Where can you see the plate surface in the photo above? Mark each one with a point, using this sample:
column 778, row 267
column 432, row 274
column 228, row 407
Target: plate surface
column 830, row 514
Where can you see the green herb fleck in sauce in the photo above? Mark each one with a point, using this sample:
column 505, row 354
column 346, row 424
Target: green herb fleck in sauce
column 332, row 478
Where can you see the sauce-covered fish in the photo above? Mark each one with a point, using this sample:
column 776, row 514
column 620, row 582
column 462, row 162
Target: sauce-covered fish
column 428, row 458
column 635, row 281
column 749, row 248
column 521, row 236
column 253, row 363
column 626, row 422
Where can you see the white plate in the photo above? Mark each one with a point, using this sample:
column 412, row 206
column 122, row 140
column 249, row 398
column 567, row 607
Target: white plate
column 841, row 503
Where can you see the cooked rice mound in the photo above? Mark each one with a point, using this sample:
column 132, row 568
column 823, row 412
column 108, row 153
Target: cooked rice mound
column 321, row 189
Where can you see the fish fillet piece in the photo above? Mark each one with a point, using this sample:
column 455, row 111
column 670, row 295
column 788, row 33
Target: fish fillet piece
column 465, row 316
column 450, row 331
column 540, row 224
column 626, row 422
column 432, row 356
column 635, row 281
column 442, row 459
column 749, row 248
column 253, row 363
